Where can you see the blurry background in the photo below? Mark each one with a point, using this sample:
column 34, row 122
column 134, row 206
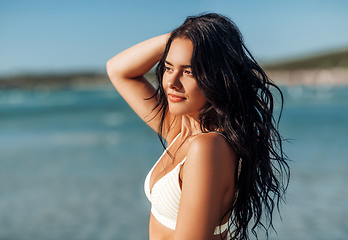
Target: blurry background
column 73, row 156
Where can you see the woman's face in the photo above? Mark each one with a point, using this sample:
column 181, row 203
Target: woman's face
column 183, row 94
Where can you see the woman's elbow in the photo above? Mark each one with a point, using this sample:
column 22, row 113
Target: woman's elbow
column 113, row 70
column 110, row 70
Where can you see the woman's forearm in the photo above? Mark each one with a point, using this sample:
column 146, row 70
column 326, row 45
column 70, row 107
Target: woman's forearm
column 138, row 59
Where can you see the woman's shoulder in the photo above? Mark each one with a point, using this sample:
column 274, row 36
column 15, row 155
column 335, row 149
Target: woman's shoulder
column 211, row 147
column 211, row 157
column 211, row 139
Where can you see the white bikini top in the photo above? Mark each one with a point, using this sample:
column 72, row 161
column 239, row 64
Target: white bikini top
column 165, row 196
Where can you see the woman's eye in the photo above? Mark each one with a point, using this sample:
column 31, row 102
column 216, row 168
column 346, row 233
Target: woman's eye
column 168, row 69
column 187, row 72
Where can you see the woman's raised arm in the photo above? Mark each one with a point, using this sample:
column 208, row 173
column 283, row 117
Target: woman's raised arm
column 126, row 71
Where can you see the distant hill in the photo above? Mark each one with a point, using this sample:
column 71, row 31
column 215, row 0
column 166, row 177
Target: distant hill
column 319, row 62
column 329, row 60
column 58, row 81
column 53, row 81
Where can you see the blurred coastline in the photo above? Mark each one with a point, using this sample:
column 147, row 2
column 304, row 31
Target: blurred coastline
column 325, row 69
column 329, row 69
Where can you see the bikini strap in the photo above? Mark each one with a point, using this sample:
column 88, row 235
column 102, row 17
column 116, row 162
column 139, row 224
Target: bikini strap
column 173, row 140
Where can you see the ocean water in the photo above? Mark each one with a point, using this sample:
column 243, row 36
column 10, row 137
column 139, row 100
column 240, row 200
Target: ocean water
column 73, row 162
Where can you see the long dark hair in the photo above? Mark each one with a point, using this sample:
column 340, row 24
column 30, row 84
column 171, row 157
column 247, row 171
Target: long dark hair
column 241, row 107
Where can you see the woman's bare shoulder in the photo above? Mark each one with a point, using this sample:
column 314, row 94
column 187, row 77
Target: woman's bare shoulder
column 213, row 151
column 214, row 142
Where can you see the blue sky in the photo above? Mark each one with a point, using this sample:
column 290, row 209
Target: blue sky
column 79, row 35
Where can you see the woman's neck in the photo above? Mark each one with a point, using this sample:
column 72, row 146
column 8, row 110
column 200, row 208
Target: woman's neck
column 189, row 126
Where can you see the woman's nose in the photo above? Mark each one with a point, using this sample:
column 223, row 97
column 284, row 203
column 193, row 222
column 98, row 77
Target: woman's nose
column 174, row 82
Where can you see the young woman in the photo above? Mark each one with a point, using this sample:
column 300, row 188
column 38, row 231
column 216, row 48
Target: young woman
column 223, row 168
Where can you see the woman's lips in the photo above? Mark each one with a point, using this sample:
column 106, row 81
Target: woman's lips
column 175, row 98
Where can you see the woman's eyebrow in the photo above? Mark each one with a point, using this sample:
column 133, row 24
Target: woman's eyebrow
column 168, row 63
column 182, row 66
